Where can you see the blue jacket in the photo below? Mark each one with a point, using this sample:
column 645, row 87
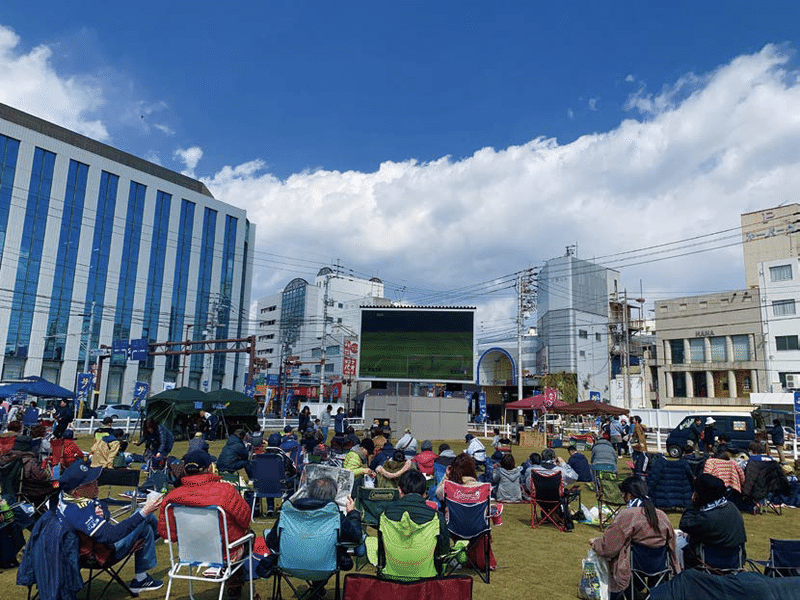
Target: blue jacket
column 580, row 464
column 50, row 560
column 233, row 456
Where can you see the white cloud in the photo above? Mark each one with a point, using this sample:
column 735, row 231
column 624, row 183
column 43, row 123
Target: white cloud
column 593, row 103
column 189, row 157
column 630, row 78
column 570, row 114
column 711, row 147
column 30, row 84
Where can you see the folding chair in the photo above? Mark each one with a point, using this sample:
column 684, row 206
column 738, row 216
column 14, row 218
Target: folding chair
column 784, row 559
column 99, row 559
column 405, row 549
column 308, row 542
column 762, row 479
column 467, row 516
column 721, row 560
column 438, row 474
column 548, row 498
column 269, row 476
column 606, row 487
column 202, row 534
column 11, row 480
column 51, row 535
column 371, row 502
column 649, row 568
column 125, row 478
column 456, row 587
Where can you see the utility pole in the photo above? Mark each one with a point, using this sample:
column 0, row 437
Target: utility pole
column 526, row 303
column 324, row 340
column 626, row 359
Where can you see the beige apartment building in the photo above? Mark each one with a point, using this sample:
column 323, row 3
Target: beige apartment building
column 768, row 235
column 710, row 350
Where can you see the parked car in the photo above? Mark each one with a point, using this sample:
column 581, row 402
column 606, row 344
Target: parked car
column 117, row 411
column 738, row 427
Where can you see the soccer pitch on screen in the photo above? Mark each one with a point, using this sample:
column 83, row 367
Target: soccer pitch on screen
column 417, row 344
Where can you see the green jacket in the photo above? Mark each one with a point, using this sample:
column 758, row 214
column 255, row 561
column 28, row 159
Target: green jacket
column 354, row 461
column 420, row 513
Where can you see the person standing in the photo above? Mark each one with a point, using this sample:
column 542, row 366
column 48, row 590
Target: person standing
column 325, row 422
column 63, row 418
column 696, row 431
column 778, row 438
column 615, row 434
column 340, row 422
column 304, row 420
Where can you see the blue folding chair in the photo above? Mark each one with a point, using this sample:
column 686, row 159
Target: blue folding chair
column 721, row 560
column 649, row 567
column 467, row 516
column 269, row 476
column 308, row 542
column 438, row 474
column 784, row 559
column 294, row 451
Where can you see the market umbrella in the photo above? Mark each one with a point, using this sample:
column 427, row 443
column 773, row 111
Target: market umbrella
column 537, row 402
column 591, row 407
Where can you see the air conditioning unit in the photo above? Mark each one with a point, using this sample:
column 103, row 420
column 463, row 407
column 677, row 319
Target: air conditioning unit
column 793, row 381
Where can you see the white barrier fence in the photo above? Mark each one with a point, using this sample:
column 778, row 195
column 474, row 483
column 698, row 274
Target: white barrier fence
column 128, row 425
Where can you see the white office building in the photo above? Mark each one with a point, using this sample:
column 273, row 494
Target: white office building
column 98, row 246
column 779, row 286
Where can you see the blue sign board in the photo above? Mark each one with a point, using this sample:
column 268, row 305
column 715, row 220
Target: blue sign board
column 85, row 385
column 797, row 413
column 119, row 347
column 273, row 379
column 137, row 349
column 594, row 396
column 139, row 394
column 481, row 408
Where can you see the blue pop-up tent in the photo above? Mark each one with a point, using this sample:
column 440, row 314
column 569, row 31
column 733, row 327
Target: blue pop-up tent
column 35, row 386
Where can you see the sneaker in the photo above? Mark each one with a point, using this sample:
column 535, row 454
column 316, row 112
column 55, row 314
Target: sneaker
column 145, row 585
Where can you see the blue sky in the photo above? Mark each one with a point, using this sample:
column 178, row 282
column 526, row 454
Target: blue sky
column 440, row 145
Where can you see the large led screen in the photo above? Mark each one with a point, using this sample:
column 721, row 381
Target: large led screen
column 417, row 344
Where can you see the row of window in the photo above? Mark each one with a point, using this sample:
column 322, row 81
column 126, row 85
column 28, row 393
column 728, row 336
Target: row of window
column 267, row 309
column 31, row 256
column 718, row 347
column 582, row 334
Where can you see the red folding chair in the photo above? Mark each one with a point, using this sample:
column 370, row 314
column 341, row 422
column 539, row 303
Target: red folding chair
column 547, row 494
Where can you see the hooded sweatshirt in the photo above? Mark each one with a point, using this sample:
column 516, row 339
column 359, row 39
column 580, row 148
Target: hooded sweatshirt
column 508, row 484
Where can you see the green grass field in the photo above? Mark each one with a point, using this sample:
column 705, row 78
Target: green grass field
column 540, row 563
column 417, row 355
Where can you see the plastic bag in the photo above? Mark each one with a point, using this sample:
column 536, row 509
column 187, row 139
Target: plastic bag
column 368, row 482
column 594, row 577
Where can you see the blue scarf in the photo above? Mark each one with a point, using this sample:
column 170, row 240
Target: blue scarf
column 711, row 505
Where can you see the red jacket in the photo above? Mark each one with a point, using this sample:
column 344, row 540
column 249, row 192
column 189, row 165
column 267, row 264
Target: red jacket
column 207, row 489
column 425, row 460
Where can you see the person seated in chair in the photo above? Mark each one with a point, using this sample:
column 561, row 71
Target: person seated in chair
column 79, row 508
column 551, row 463
column 70, row 451
column 36, row 483
column 389, row 472
column 640, row 522
column 426, row 458
column 234, row 455
column 413, row 490
column 357, row 460
column 446, row 455
column 407, row 443
column 322, row 491
column 578, row 463
column 507, row 479
column 201, row 487
column 604, row 457
column 475, row 449
column 711, row 519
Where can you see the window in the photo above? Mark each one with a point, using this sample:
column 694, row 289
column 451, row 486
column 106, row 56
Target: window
column 341, row 305
column 703, row 304
column 682, row 306
column 583, row 334
column 719, row 351
column 741, row 347
column 781, row 308
column 780, row 273
column 270, row 322
column 663, row 309
column 697, row 350
column 598, row 337
column 677, row 351
column 678, row 385
column 582, row 353
column 786, row 342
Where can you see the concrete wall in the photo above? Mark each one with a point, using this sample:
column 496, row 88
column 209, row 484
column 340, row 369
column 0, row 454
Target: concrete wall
column 428, row 418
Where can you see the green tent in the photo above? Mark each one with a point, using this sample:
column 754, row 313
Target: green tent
column 175, row 408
